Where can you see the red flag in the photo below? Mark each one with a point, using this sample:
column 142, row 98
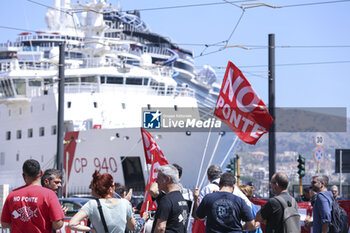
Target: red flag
column 241, row 108
column 152, row 150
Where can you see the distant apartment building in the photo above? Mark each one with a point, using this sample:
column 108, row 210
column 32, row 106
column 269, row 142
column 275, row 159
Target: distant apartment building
column 259, row 174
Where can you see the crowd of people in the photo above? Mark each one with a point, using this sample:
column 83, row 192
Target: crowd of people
column 221, row 206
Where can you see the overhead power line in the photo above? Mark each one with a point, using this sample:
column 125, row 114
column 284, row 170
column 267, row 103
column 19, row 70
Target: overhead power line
column 250, row 47
column 315, row 3
column 243, row 6
column 186, row 6
column 292, row 64
column 16, row 29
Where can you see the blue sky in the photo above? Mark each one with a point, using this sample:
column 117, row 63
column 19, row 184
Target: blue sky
column 316, row 85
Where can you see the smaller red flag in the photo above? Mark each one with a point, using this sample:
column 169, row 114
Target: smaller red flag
column 150, row 146
column 241, row 108
column 154, row 156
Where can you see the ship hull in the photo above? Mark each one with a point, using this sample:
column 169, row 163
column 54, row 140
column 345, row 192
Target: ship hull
column 120, row 152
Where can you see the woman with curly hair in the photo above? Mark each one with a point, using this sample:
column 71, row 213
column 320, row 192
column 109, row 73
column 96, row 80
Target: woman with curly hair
column 117, row 211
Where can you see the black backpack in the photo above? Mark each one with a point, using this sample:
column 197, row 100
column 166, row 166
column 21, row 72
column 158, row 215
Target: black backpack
column 339, row 222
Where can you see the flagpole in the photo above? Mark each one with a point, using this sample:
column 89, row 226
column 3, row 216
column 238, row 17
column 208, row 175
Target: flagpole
column 199, row 173
column 149, row 178
column 229, row 151
column 211, row 158
column 202, row 161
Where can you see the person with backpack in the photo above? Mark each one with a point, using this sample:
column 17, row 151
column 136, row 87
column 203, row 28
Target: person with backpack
column 321, row 212
column 280, row 213
column 327, row 215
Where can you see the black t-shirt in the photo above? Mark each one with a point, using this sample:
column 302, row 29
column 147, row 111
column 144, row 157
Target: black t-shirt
column 173, row 208
column 272, row 211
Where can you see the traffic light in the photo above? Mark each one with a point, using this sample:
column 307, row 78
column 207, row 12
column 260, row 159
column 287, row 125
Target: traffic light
column 231, row 166
column 301, row 166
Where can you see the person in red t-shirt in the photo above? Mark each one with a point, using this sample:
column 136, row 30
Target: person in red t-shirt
column 32, row 208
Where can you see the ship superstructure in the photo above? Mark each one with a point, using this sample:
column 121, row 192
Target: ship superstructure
column 114, row 68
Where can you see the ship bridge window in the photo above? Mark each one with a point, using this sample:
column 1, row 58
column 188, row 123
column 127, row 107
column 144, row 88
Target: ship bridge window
column 7, row 87
column 184, row 66
column 145, row 81
column 7, row 55
column 115, row 80
column 2, row 90
column 48, row 81
column 134, row 81
column 91, row 79
column 34, row 83
column 153, row 83
column 47, row 54
column 102, row 79
column 72, row 80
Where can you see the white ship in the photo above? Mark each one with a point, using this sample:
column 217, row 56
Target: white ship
column 114, row 69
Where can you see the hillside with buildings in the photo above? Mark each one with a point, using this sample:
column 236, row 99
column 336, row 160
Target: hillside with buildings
column 254, row 159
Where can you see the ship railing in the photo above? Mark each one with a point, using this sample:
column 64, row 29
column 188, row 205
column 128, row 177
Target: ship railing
column 147, row 90
column 157, row 50
column 133, row 51
column 81, row 88
column 43, row 65
column 160, row 70
column 184, row 91
column 78, row 87
column 7, row 66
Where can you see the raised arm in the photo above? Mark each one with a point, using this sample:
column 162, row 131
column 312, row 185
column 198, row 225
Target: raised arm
column 153, row 190
column 74, row 223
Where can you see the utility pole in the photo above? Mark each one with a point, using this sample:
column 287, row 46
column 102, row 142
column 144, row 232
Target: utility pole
column 60, row 121
column 238, row 176
column 272, row 133
column 340, row 172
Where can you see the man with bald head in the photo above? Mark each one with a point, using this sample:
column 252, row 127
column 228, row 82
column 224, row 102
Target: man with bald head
column 271, row 213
